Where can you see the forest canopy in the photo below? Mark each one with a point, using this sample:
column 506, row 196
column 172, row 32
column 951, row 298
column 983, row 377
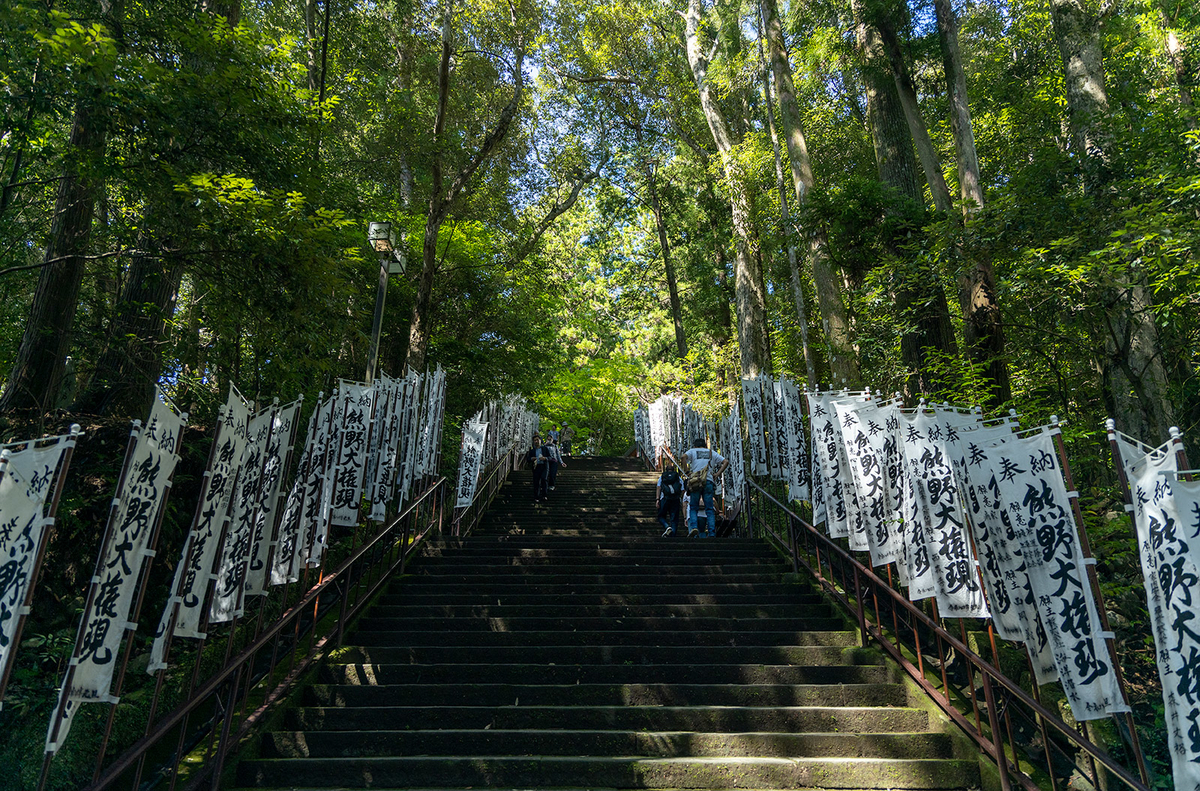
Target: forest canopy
column 992, row 202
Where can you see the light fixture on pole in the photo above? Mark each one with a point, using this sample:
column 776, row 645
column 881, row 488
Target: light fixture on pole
column 382, row 239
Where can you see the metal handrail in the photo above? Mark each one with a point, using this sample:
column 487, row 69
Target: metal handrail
column 237, row 674
column 485, row 492
column 994, row 747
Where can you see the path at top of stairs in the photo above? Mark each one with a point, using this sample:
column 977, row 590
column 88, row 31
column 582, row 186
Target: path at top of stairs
column 566, row 645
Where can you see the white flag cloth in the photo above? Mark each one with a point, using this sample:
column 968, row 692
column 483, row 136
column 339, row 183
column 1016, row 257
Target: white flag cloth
column 771, row 393
column 227, row 600
column 959, row 594
column 1166, row 513
column 1035, row 497
column 388, row 430
column 409, row 434
column 285, row 564
column 126, row 548
column 1006, row 583
column 351, row 458
column 797, row 444
column 752, row 401
column 918, row 572
column 25, row 484
column 319, row 498
column 864, row 427
column 275, row 459
column 470, row 461
column 837, row 488
column 216, row 496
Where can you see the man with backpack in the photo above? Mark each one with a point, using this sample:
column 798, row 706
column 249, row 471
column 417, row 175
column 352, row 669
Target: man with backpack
column 669, row 497
column 701, row 474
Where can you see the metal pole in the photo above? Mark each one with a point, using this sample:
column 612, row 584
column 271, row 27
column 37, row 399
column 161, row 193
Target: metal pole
column 377, row 324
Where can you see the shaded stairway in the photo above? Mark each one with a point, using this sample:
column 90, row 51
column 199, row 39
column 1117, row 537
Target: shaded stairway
column 565, row 645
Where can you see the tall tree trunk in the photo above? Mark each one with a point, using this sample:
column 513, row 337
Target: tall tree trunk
column 906, row 91
column 920, row 297
column 131, row 363
column 442, row 199
column 843, row 361
column 665, row 247
column 983, row 328
column 1178, row 56
column 37, row 371
column 750, row 299
column 1077, row 31
column 1133, row 374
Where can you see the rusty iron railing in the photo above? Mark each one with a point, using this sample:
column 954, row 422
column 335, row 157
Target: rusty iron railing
column 1030, row 745
column 200, row 734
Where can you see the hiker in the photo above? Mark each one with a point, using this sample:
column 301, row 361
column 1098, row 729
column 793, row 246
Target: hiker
column 565, row 436
column 668, row 496
column 556, row 461
column 539, row 461
column 553, row 435
column 701, row 476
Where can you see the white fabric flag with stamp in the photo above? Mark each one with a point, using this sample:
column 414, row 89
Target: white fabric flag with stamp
column 1043, row 525
column 752, row 401
column 470, row 461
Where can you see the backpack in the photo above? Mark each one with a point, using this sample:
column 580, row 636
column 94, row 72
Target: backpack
column 697, row 479
column 672, row 486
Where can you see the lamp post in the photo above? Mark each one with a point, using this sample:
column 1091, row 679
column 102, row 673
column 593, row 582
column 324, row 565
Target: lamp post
column 382, row 239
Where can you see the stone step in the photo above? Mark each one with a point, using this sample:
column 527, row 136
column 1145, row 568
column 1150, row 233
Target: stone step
column 598, row 654
column 677, row 591
column 615, row 772
column 679, row 636
column 664, row 744
column 669, row 567
column 525, row 595
column 615, row 576
column 575, row 610
column 371, row 623
column 438, row 692
column 787, row 719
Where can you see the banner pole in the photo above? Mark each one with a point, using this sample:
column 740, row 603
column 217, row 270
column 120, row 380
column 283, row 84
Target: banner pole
column 1129, row 733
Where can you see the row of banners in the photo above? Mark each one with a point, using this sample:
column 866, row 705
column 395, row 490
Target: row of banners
column 501, row 427
column 365, row 447
column 977, row 516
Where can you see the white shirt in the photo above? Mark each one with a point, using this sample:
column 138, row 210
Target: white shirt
column 700, row 458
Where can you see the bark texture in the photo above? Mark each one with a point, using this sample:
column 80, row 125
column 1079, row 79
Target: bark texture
column 843, row 360
column 37, row 372
column 750, row 297
column 1077, row 31
column 983, row 326
column 668, row 265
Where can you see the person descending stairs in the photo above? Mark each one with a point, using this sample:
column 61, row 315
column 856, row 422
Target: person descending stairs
column 567, row 645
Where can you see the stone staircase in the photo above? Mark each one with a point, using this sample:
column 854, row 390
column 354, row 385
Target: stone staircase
column 565, row 645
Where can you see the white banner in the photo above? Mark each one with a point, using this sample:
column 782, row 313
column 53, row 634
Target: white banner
column 275, row 460
column 388, row 430
column 1166, row 513
column 1009, row 594
column 752, row 401
column 918, row 572
column 285, row 564
column 827, row 438
column 770, row 396
column 351, row 457
column 470, row 461
column 26, row 478
column 227, row 597
column 865, row 433
column 410, row 432
column 1032, row 491
column 797, row 445
column 128, row 543
column 216, row 496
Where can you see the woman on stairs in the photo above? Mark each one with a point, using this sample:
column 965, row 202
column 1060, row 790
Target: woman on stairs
column 539, row 462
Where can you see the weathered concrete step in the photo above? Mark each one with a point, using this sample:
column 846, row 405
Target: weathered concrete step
column 602, row 655
column 609, row 637
column 576, row 610
column 473, row 547
column 525, row 596
column 608, row 577
column 438, row 692
column 567, row 542
column 621, row 772
column 505, row 586
column 667, row 566
column 349, row 744
column 570, row 624
column 680, row 552
column 788, row 719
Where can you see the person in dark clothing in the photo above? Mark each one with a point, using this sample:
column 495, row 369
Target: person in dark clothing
column 539, row 462
column 566, row 436
column 669, row 497
column 556, row 461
